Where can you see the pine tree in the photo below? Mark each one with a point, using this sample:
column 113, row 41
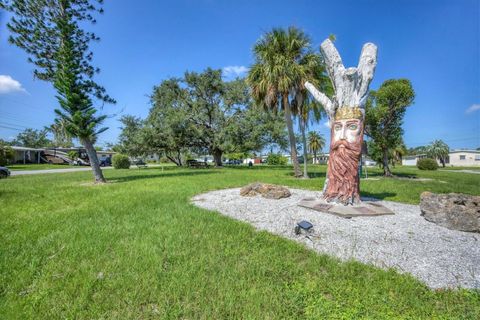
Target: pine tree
column 49, row 31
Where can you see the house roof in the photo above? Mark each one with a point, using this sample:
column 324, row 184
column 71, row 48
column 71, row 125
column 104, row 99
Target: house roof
column 465, row 151
column 414, row 156
column 451, row 151
column 18, row 148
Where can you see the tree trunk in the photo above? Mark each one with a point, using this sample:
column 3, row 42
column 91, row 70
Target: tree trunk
column 174, row 160
column 179, row 157
column 217, row 157
column 386, row 169
column 315, row 160
column 304, row 142
column 291, row 136
column 93, row 159
column 351, row 91
column 343, row 180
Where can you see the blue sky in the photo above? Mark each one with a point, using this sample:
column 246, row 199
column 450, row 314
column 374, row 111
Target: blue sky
column 434, row 43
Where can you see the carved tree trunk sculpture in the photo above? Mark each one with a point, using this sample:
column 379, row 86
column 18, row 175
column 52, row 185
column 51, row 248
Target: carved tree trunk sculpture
column 346, row 113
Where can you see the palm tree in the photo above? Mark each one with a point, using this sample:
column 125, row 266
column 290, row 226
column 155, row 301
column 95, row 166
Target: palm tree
column 305, row 109
column 316, row 142
column 308, row 109
column 276, row 74
column 61, row 136
column 396, row 154
column 438, row 150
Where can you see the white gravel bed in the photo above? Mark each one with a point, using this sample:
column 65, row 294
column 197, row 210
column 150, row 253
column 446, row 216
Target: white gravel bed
column 438, row 256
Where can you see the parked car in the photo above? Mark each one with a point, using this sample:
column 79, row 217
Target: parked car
column 105, row 162
column 140, row 163
column 4, row 172
column 234, row 162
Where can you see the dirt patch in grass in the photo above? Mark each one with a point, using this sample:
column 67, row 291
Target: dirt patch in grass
column 98, row 184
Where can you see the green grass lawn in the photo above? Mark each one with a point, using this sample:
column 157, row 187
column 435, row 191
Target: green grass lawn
column 137, row 249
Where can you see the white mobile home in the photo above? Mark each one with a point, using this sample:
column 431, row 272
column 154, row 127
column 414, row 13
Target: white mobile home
column 464, row 158
column 412, row 160
column 27, row 155
column 457, row 158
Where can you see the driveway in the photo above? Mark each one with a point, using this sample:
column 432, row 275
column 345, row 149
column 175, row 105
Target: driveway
column 25, row 172
column 464, row 171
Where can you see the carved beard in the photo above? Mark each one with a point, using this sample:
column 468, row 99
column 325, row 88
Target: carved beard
column 343, row 182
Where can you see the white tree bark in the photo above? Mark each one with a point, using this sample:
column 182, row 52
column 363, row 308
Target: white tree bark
column 351, row 84
column 351, row 91
column 322, row 98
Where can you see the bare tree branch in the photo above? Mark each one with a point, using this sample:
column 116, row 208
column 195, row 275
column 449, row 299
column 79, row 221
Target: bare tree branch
column 334, row 63
column 322, row 98
column 366, row 68
column 351, row 84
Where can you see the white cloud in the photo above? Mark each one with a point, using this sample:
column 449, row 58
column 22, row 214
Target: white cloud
column 327, row 124
column 474, row 107
column 9, row 85
column 234, row 71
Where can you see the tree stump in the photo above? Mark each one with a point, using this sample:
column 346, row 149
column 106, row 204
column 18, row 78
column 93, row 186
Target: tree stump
column 346, row 113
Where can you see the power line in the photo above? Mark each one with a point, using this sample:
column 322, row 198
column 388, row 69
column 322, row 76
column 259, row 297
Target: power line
column 5, row 127
column 15, row 118
column 23, row 103
column 449, row 140
column 16, row 122
column 12, row 113
column 19, row 120
column 13, row 124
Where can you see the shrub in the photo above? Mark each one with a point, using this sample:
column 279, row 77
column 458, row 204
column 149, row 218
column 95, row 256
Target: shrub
column 120, row 161
column 274, row 159
column 7, row 155
column 427, row 164
column 72, row 154
column 235, row 156
column 164, row 160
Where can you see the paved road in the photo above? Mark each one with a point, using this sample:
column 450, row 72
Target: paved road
column 464, row 171
column 25, row 172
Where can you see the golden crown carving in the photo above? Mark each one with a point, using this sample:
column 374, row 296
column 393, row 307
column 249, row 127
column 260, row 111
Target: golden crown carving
column 344, row 113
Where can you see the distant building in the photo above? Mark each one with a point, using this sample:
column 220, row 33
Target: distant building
column 463, row 158
column 152, row 157
column 255, row 160
column 27, row 155
column 457, row 158
column 412, row 160
column 369, row 162
column 322, row 158
column 53, row 155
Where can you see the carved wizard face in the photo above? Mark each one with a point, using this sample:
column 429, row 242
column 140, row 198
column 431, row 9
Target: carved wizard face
column 348, row 130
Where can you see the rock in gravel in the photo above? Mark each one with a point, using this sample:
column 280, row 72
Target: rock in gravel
column 453, row 210
column 269, row 191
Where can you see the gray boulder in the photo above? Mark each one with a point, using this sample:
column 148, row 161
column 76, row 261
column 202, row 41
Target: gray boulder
column 453, row 210
column 269, row 191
